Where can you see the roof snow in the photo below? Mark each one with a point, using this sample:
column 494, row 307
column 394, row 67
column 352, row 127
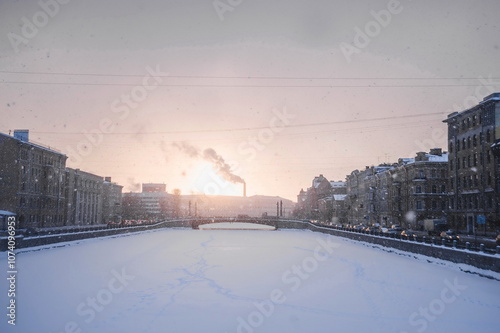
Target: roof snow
column 339, row 197
column 337, row 184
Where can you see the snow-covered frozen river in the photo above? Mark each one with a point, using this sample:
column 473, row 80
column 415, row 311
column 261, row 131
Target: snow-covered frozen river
column 217, row 281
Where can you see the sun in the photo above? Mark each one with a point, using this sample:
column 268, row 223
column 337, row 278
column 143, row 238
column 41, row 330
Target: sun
column 207, row 181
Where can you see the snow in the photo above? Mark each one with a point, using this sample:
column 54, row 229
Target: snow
column 438, row 158
column 339, row 197
column 183, row 280
column 235, row 226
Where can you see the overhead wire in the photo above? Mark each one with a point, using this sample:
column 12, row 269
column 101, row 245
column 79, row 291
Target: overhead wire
column 244, row 77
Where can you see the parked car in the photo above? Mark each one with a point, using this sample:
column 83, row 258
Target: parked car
column 397, row 227
column 388, row 231
column 370, row 229
column 408, row 233
column 450, row 235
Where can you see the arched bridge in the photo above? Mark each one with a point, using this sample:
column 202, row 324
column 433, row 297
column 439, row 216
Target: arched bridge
column 195, row 223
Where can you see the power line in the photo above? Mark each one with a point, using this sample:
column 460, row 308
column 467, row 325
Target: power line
column 242, row 86
column 263, row 127
column 246, row 77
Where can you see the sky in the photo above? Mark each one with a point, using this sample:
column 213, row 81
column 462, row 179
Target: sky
column 280, row 91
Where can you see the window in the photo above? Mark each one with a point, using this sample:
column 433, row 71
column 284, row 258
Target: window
column 468, row 142
column 24, row 154
column 474, row 140
column 420, row 205
column 434, row 189
column 474, row 117
column 443, row 188
column 434, row 205
column 418, row 189
column 481, row 138
column 488, row 157
column 488, row 136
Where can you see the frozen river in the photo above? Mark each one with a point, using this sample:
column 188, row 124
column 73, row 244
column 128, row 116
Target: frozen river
column 217, row 281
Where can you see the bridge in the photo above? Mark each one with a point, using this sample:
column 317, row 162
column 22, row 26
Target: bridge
column 196, row 222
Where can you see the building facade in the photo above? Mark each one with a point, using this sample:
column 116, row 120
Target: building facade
column 367, row 195
column 419, row 189
column 318, row 202
column 84, row 193
column 152, row 203
column 474, row 170
column 31, row 181
column 112, row 201
column 36, row 186
column 404, row 193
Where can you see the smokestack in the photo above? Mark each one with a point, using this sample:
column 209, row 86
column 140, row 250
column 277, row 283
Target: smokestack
column 244, row 189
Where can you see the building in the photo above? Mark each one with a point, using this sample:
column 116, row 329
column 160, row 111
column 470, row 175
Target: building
column 367, row 195
column 474, row 170
column 32, row 179
column 152, row 203
column 84, row 193
column 112, row 201
column 404, row 193
column 318, row 201
column 418, row 189
column 36, row 186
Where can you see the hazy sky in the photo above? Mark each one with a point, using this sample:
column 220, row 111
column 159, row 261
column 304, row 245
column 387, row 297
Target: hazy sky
column 281, row 90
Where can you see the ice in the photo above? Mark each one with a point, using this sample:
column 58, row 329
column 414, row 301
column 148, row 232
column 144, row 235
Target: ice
column 183, row 280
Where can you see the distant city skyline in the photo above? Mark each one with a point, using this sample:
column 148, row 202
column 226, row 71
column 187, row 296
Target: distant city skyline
column 280, row 91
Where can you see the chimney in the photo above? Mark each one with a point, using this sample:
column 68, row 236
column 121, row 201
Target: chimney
column 436, row 151
column 244, row 189
column 22, row 135
column 107, row 179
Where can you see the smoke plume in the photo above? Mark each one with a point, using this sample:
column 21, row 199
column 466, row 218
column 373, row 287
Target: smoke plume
column 211, row 156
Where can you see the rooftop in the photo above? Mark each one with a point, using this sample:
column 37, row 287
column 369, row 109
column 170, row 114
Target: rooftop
column 34, row 144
